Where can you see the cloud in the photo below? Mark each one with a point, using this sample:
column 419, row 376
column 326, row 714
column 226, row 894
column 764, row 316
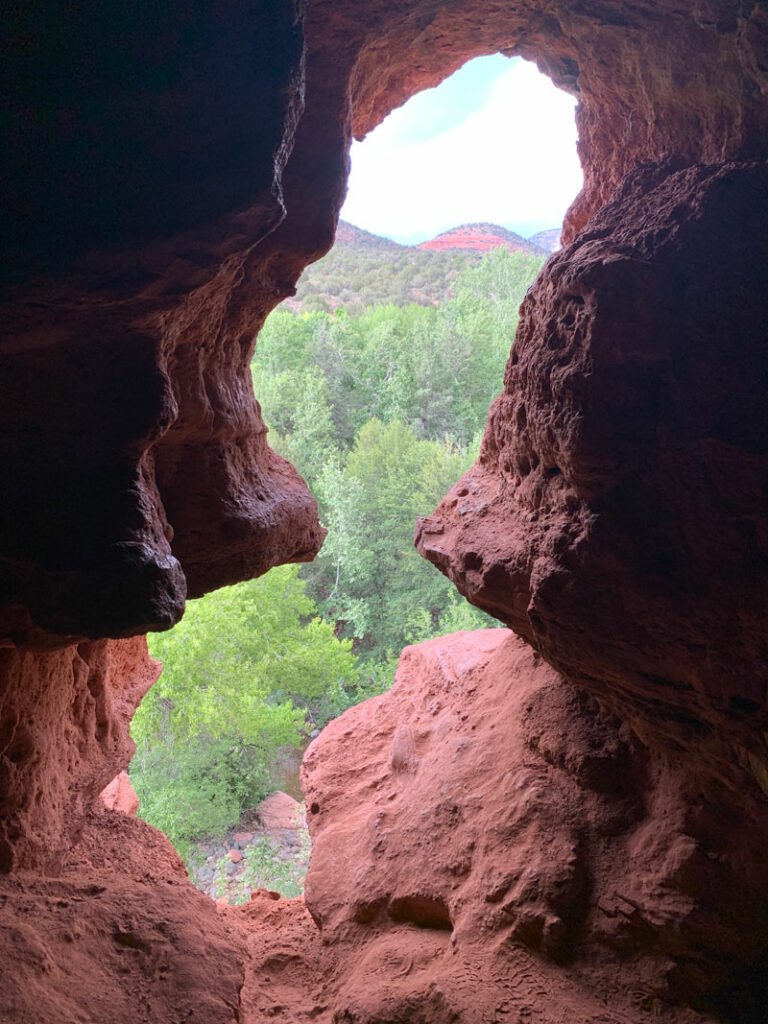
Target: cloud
column 512, row 162
column 433, row 111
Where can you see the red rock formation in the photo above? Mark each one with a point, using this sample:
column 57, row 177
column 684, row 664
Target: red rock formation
column 119, row 795
column 481, row 238
column 139, row 183
column 64, row 736
column 617, row 517
column 484, row 842
column 524, row 830
column 164, row 255
column 165, row 180
column 120, row 936
column 280, row 811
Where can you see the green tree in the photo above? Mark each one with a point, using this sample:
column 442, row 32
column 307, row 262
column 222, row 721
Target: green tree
column 368, row 577
column 240, row 670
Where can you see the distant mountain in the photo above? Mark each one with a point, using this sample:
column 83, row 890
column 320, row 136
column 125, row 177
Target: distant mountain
column 363, row 269
column 481, row 238
column 549, row 240
column 350, row 234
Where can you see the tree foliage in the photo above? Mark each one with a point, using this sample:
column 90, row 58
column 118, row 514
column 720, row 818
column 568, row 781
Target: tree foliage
column 382, row 412
column 240, row 670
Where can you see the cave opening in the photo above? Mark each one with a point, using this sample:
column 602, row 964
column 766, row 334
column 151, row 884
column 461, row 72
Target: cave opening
column 374, row 381
column 566, row 826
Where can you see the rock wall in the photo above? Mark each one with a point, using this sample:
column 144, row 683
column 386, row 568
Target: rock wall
column 142, row 171
column 617, row 517
column 165, row 180
column 488, row 846
column 118, row 935
column 64, row 736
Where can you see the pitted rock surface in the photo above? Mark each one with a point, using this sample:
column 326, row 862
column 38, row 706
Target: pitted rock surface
column 617, row 517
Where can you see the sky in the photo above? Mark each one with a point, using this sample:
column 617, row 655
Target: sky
column 494, row 142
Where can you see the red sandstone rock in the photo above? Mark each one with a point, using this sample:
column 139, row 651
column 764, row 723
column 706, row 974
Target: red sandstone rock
column 481, row 238
column 163, row 479
column 119, row 937
column 152, row 300
column 515, row 857
column 120, row 796
column 135, row 467
column 526, row 833
column 235, row 856
column 617, row 516
column 64, row 736
column 288, row 977
column 280, row 810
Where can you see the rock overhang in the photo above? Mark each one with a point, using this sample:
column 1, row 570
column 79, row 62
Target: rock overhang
column 137, row 465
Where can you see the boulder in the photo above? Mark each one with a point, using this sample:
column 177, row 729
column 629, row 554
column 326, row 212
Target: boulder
column 120, row 796
column 280, row 811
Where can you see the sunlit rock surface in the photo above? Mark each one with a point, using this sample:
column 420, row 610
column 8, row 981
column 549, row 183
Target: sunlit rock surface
column 119, row 795
column 524, row 855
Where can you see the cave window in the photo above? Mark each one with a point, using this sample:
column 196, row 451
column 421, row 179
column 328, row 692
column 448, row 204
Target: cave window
column 375, row 380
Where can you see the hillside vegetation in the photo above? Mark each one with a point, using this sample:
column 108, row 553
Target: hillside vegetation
column 381, row 411
column 364, row 270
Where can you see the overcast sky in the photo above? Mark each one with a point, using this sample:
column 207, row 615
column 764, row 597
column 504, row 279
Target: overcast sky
column 494, row 142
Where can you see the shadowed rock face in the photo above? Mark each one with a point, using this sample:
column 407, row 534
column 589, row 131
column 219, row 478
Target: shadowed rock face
column 167, row 180
column 167, row 174
column 143, row 171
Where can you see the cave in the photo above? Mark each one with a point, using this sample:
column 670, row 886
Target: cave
column 565, row 820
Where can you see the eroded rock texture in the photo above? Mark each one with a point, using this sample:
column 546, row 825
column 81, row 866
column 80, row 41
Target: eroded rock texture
column 165, row 182
column 618, row 515
column 64, row 736
column 119, row 935
column 488, row 843
column 489, row 846
column 119, row 795
column 143, row 170
column 167, row 173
